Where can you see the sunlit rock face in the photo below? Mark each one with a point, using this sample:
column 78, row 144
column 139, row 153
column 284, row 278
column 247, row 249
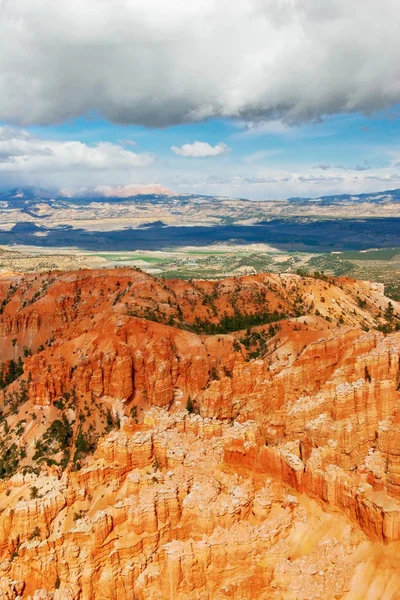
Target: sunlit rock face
column 198, row 440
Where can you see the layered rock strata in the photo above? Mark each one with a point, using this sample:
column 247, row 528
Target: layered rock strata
column 151, row 450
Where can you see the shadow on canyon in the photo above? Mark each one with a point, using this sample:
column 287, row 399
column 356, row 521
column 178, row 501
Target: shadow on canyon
column 297, row 235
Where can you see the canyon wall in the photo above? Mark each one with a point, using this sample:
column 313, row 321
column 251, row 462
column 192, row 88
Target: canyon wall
column 151, row 449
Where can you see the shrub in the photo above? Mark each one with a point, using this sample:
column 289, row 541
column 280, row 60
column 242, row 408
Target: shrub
column 214, row 374
column 34, row 492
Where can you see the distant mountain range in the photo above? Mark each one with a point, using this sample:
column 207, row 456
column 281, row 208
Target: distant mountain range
column 130, row 217
column 153, row 217
column 385, row 197
column 20, row 195
column 100, row 192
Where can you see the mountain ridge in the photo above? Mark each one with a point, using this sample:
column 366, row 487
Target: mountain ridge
column 131, row 191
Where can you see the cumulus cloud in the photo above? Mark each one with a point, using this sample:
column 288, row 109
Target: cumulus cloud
column 22, row 152
column 200, row 150
column 159, row 63
column 321, row 179
column 327, row 167
column 384, row 178
column 242, row 179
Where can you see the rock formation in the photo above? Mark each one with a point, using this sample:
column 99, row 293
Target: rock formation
column 198, row 440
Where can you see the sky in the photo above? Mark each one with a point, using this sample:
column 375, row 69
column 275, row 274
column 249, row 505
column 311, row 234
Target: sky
column 260, row 99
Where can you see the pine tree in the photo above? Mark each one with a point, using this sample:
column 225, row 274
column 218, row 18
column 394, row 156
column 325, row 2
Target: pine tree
column 189, row 405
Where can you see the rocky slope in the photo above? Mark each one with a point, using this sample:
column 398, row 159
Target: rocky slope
column 12, row 261
column 198, row 440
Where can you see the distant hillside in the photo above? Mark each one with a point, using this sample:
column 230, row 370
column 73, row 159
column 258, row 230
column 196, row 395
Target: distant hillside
column 155, row 218
column 385, row 197
column 24, row 195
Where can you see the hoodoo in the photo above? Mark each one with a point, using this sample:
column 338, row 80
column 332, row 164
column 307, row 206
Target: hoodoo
column 196, row 439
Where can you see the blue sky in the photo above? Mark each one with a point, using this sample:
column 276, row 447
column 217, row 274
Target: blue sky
column 262, row 160
column 351, row 139
column 260, row 98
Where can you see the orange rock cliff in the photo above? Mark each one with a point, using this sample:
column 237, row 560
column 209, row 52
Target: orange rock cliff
column 198, row 440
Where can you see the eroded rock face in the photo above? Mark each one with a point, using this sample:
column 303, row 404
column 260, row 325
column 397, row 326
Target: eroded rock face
column 284, row 482
column 168, row 510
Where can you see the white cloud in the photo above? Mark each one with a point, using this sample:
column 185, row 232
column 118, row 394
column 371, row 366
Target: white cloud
column 258, row 128
column 265, row 183
column 384, row 178
column 320, row 179
column 327, row 167
column 262, row 155
column 200, row 150
column 22, row 152
column 159, row 63
column 125, row 142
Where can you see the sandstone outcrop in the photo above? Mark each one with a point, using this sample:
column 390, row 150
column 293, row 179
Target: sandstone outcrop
column 151, row 450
